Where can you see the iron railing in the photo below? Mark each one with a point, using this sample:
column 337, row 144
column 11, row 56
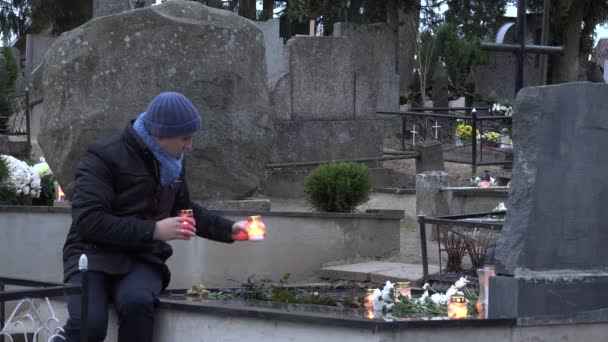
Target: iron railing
column 471, row 114
column 15, row 116
column 39, row 324
column 465, row 221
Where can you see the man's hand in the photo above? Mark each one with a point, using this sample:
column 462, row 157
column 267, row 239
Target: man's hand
column 239, row 231
column 175, row 228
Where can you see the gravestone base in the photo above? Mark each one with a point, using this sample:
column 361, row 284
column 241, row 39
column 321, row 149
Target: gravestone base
column 549, row 293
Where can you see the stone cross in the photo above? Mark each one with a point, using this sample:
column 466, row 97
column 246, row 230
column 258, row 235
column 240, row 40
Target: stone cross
column 436, row 127
column 414, row 132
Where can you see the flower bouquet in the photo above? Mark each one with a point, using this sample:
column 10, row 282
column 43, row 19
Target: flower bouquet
column 389, row 301
column 489, row 139
column 20, row 183
column 464, row 132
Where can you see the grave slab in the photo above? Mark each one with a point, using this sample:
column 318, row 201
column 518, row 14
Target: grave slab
column 376, row 271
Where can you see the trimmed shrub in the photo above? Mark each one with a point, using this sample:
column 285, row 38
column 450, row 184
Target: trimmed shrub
column 338, row 187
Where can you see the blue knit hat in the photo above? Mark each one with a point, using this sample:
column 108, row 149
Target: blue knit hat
column 171, row 114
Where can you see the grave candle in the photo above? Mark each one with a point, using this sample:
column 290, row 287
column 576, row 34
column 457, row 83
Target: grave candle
column 403, row 288
column 484, row 275
column 185, row 213
column 256, row 229
column 368, row 302
column 369, row 313
column 457, row 307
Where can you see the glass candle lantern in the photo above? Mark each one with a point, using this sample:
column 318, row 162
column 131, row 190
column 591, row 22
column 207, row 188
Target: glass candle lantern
column 484, row 275
column 256, row 229
column 457, row 307
column 368, row 301
column 186, row 213
column 404, row 289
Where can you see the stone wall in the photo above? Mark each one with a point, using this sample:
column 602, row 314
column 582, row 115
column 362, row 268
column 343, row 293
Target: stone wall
column 309, row 239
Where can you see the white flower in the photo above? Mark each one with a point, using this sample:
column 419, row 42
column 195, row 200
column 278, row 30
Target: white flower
column 386, row 292
column 378, row 304
column 424, row 297
column 451, row 291
column 501, row 206
column 23, row 178
column 439, row 298
column 462, row 282
column 426, row 286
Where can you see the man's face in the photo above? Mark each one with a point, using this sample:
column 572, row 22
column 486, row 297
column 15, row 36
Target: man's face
column 175, row 146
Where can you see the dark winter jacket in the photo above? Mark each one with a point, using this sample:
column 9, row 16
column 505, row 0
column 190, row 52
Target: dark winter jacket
column 116, row 202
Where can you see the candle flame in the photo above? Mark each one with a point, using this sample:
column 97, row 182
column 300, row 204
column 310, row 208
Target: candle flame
column 60, row 193
column 256, row 229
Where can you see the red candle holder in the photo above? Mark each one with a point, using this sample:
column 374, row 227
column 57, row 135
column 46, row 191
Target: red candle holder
column 186, row 213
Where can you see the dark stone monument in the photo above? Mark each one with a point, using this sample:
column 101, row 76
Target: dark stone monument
column 551, row 255
column 441, row 96
column 430, row 156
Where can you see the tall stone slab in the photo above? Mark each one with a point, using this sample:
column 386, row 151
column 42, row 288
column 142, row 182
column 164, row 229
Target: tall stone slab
column 317, row 104
column 275, row 48
column 322, row 78
column 37, row 46
column 107, row 7
column 551, row 255
column 373, row 52
column 103, row 74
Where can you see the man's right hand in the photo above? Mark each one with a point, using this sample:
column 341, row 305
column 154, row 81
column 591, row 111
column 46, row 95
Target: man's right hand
column 175, row 228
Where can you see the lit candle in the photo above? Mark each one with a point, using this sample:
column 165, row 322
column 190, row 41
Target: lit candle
column 368, row 302
column 185, row 213
column 484, row 274
column 369, row 313
column 403, row 288
column 457, row 307
column 256, row 229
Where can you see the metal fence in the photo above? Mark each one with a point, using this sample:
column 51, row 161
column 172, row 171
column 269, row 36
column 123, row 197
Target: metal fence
column 458, row 235
column 27, row 317
column 15, row 116
column 450, row 117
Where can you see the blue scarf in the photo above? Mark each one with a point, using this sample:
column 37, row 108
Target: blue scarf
column 170, row 168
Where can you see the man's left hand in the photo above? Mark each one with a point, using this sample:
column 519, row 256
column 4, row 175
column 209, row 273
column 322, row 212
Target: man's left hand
column 239, row 231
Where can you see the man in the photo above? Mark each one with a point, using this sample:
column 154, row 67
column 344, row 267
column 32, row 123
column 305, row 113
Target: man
column 128, row 192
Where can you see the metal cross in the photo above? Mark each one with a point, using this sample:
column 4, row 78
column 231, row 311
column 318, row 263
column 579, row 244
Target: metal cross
column 521, row 48
column 414, row 132
column 436, row 127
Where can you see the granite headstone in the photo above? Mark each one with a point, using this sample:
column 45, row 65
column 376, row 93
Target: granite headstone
column 551, row 255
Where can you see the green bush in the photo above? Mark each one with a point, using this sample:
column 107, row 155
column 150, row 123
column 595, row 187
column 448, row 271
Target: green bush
column 339, row 187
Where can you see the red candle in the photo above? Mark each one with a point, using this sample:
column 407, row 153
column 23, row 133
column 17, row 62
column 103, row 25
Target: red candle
column 186, row 213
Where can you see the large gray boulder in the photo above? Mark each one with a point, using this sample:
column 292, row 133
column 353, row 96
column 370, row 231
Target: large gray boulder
column 101, row 75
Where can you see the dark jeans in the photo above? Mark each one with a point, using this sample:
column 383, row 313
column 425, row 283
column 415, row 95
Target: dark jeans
column 134, row 296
